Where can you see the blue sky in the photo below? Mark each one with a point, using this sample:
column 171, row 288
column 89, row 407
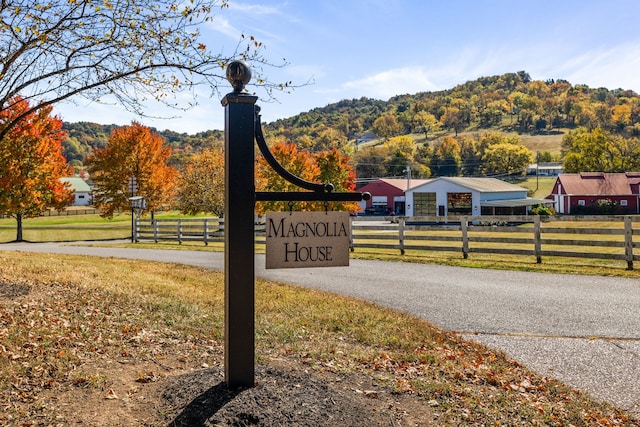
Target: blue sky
column 381, row 48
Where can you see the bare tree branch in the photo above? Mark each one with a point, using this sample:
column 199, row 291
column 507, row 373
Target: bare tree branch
column 132, row 50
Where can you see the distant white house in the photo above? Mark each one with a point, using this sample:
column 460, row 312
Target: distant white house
column 445, row 196
column 545, row 169
column 81, row 190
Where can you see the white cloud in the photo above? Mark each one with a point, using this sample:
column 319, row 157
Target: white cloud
column 255, row 9
column 389, row 83
column 605, row 67
column 222, row 25
column 208, row 114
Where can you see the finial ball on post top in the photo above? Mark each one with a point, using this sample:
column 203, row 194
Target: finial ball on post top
column 238, row 74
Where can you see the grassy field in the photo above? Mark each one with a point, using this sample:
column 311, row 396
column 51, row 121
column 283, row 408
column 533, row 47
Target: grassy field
column 73, row 227
column 94, row 342
column 539, row 187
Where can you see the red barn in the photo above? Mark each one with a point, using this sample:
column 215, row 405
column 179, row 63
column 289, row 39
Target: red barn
column 597, row 193
column 389, row 193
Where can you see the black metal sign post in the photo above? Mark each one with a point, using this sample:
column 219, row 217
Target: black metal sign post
column 239, row 264
column 242, row 124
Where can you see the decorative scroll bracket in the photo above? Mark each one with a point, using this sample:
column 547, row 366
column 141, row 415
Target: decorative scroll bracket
column 322, row 192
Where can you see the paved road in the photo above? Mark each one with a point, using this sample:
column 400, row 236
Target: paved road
column 582, row 330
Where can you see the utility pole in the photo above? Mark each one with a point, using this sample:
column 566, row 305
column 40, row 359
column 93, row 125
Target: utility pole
column 537, row 170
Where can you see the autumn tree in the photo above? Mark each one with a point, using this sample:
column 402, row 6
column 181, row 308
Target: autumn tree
column 445, row 160
column 401, row 150
column 131, row 50
column 426, row 122
column 133, row 155
column 324, row 167
column 506, row 159
column 386, row 126
column 526, row 108
column 621, row 116
column 370, row 162
column 403, row 144
column 599, row 151
column 335, row 169
column 453, row 118
column 299, row 163
column 31, row 163
column 201, row 184
column 329, row 138
column 470, row 156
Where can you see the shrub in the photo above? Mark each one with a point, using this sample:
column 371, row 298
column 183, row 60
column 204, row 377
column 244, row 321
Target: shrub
column 543, row 210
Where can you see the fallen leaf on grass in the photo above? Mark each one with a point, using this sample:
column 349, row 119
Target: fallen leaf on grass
column 148, row 377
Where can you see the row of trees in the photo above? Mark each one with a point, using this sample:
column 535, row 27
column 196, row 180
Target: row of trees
column 31, row 165
column 489, row 153
column 599, row 150
column 497, row 154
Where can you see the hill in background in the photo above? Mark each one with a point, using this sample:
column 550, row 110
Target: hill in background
column 538, row 111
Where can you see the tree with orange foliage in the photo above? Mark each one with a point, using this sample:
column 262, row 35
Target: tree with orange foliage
column 323, row 167
column 31, row 163
column 299, row 163
column 335, row 169
column 132, row 154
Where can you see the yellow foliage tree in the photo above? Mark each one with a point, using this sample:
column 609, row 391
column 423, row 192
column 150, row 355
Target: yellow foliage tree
column 201, row 187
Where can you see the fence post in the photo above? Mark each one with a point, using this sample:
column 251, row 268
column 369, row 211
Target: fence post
column 155, row 225
column 179, row 231
column 401, row 234
column 465, row 236
column 351, row 233
column 206, row 232
column 628, row 241
column 537, row 241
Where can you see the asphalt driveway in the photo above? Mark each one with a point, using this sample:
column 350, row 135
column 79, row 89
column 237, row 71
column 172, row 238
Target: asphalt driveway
column 582, row 330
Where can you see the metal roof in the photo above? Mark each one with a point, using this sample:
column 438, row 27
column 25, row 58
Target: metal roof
column 482, row 185
column 598, row 183
column 78, row 185
column 404, row 183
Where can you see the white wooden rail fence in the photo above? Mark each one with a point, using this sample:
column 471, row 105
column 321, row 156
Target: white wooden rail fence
column 563, row 236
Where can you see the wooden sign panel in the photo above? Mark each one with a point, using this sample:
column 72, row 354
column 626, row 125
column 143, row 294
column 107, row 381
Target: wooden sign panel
column 307, row 239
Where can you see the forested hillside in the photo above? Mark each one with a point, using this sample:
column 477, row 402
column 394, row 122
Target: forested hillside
column 488, row 126
column 82, row 137
column 511, row 101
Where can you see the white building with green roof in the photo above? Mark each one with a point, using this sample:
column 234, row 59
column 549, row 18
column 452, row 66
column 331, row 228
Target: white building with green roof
column 81, row 190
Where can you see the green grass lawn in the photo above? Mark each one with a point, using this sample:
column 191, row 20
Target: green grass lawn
column 539, row 187
column 64, row 228
column 67, row 228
